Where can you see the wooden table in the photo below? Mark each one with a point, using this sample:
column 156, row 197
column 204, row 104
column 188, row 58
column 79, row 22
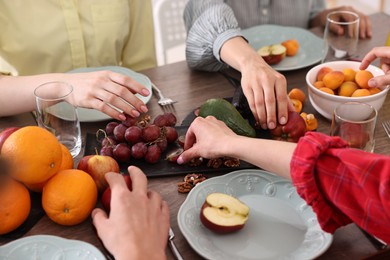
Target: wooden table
column 191, row 89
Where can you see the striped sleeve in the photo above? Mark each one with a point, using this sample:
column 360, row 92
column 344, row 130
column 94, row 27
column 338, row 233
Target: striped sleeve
column 209, row 25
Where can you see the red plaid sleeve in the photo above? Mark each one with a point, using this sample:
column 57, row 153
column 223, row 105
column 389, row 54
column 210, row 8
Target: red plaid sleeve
column 342, row 184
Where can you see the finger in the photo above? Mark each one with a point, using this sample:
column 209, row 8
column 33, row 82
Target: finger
column 99, row 216
column 248, row 92
column 380, row 81
column 270, row 107
column 190, row 137
column 138, row 179
column 259, row 109
column 377, row 52
column 187, row 155
column 129, row 83
column 282, row 99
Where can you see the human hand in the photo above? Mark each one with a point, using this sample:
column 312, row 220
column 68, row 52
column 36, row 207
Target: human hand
column 266, row 92
column 383, row 53
column 101, row 89
column 138, row 224
column 206, row 137
column 365, row 27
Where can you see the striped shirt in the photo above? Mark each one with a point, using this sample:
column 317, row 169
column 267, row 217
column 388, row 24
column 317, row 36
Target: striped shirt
column 210, row 23
column 343, row 185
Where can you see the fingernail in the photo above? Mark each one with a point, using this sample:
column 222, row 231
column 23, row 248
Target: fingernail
column 136, row 113
column 264, row 126
column 145, row 92
column 282, row 120
column 144, row 108
column 372, row 83
column 271, row 125
column 122, row 117
column 179, row 160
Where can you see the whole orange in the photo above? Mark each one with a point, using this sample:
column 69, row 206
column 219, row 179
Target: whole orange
column 67, row 158
column 15, row 204
column 69, row 197
column 33, row 153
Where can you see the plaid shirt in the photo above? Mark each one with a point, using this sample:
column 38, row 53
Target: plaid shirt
column 343, row 185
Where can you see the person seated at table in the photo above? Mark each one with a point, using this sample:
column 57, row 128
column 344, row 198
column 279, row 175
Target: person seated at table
column 138, row 223
column 214, row 42
column 50, row 36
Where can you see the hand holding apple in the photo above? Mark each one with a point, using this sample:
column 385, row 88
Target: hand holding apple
column 292, row 130
column 97, row 166
column 106, row 196
column 222, row 213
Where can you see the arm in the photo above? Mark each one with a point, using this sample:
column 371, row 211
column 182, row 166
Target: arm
column 214, row 39
column 137, row 227
column 341, row 184
column 383, row 53
column 91, row 90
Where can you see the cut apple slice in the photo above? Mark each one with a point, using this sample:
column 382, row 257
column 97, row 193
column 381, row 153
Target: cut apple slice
column 272, row 54
column 223, row 213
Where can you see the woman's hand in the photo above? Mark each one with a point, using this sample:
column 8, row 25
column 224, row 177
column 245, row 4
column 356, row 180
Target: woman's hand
column 383, row 53
column 138, row 224
column 103, row 89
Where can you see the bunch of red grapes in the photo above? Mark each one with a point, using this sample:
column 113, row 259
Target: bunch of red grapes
column 139, row 138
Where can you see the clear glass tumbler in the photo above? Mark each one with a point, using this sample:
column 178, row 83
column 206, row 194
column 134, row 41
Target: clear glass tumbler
column 56, row 114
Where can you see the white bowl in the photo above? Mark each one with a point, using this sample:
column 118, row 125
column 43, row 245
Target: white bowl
column 325, row 103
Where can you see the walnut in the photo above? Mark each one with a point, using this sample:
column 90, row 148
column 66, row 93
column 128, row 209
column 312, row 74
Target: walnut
column 144, row 121
column 231, row 162
column 195, row 162
column 184, row 187
column 214, row 163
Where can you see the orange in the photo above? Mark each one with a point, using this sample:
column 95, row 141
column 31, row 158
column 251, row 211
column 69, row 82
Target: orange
column 67, row 158
column 297, row 93
column 69, row 197
column 33, row 153
column 297, row 105
column 15, row 204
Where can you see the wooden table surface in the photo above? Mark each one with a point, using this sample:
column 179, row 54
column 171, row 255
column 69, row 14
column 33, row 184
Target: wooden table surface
column 191, row 89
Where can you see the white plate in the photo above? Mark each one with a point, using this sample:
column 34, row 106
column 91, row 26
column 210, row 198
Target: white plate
column 310, row 46
column 92, row 115
column 280, row 226
column 49, row 247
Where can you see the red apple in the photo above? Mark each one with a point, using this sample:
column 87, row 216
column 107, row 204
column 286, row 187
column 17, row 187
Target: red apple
column 222, row 213
column 106, row 196
column 97, row 166
column 272, row 54
column 5, row 133
column 294, row 129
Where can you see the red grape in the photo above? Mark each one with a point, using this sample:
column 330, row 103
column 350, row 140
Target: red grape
column 139, row 150
column 171, row 118
column 150, row 133
column 122, row 152
column 170, row 134
column 108, row 141
column 153, row 154
column 133, row 134
column 129, row 121
column 162, row 143
column 107, row 151
column 119, row 132
column 160, row 120
column 110, row 127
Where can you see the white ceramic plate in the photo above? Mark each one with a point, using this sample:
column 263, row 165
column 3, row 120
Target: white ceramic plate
column 92, row 115
column 45, row 247
column 310, row 50
column 280, row 226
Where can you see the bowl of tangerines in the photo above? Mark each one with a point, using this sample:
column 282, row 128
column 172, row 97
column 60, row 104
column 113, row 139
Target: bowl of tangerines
column 333, row 83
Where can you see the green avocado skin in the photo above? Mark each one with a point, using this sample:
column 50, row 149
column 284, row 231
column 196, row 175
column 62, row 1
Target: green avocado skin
column 226, row 112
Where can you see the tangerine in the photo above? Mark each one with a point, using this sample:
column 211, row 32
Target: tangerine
column 15, row 204
column 69, row 197
column 33, row 154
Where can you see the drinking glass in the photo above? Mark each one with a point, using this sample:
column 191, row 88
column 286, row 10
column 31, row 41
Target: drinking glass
column 56, row 114
column 355, row 123
column 341, row 35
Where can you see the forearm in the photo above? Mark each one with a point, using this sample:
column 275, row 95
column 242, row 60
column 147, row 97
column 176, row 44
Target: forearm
column 17, row 92
column 270, row 155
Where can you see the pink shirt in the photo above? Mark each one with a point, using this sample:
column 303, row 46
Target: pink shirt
column 343, row 185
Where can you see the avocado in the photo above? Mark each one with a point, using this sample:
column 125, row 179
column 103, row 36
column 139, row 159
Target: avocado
column 226, row 112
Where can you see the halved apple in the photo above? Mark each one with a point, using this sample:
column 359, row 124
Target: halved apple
column 223, row 213
column 272, row 54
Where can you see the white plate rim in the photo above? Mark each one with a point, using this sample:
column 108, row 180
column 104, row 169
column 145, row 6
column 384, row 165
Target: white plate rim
column 277, row 34
column 215, row 184
column 92, row 115
column 49, row 240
